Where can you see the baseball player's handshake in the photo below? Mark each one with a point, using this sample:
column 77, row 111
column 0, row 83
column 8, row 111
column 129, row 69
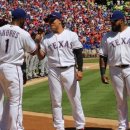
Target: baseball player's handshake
column 38, row 38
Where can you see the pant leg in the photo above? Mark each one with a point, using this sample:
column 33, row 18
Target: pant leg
column 118, row 81
column 1, row 100
column 35, row 66
column 46, row 66
column 13, row 87
column 30, row 66
column 27, row 59
column 56, row 98
column 71, row 86
column 42, row 67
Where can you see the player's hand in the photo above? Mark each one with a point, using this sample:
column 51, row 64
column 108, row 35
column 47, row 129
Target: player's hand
column 105, row 79
column 79, row 75
column 38, row 38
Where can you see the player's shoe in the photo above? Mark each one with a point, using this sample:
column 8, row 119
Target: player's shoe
column 29, row 77
column 81, row 129
column 122, row 128
column 35, row 75
column 42, row 75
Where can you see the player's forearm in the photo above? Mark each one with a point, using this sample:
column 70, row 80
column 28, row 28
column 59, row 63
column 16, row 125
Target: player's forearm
column 40, row 53
column 35, row 51
column 102, row 64
column 79, row 59
column 38, row 38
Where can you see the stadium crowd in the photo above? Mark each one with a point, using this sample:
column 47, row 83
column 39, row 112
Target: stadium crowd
column 89, row 20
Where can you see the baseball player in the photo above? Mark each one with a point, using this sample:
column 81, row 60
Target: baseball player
column 60, row 47
column 2, row 23
column 115, row 50
column 13, row 42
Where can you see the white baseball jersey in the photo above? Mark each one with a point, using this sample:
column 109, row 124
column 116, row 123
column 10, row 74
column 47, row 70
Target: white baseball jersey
column 116, row 46
column 13, row 42
column 59, row 48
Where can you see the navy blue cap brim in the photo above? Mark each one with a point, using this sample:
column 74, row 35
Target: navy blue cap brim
column 54, row 17
column 114, row 19
column 50, row 18
column 20, row 17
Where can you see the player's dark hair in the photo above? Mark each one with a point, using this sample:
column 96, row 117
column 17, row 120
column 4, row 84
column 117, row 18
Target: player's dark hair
column 3, row 22
column 40, row 30
column 33, row 35
column 63, row 23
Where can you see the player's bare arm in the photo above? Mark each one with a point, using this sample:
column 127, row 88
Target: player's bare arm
column 38, row 40
column 35, row 51
column 103, row 65
column 79, row 62
column 40, row 53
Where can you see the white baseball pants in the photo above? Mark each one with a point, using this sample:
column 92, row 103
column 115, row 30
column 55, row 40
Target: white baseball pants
column 11, row 80
column 65, row 78
column 121, row 83
column 1, row 102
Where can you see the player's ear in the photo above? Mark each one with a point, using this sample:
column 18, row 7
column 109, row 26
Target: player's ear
column 61, row 23
column 122, row 21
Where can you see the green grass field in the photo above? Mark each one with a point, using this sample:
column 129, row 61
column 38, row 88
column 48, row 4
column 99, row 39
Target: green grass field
column 90, row 60
column 98, row 100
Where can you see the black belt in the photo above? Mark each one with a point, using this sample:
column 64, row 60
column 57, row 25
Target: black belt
column 122, row 66
column 65, row 67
